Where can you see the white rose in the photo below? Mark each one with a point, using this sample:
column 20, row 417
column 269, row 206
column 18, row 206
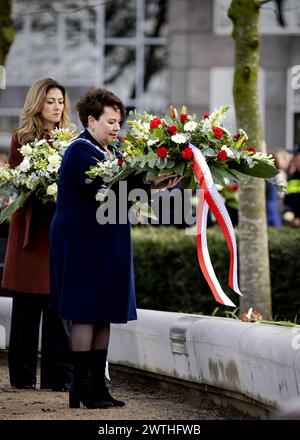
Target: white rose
column 26, row 150
column 52, row 189
column 54, row 162
column 190, row 126
column 25, row 164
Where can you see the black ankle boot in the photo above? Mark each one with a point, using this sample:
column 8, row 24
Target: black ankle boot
column 83, row 389
column 98, row 373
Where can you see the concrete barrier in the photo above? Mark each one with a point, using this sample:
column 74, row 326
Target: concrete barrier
column 5, row 314
column 260, row 362
column 252, row 362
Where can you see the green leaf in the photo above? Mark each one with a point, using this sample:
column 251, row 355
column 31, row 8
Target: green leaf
column 143, row 209
column 218, row 176
column 150, row 175
column 179, row 168
column 160, row 163
column 15, row 205
column 261, row 169
column 120, row 176
column 165, row 172
column 151, row 163
column 210, row 152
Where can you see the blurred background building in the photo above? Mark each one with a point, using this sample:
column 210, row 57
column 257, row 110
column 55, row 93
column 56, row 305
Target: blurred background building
column 151, row 53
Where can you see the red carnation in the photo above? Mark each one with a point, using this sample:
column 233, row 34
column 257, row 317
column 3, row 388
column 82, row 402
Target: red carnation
column 222, row 155
column 183, row 118
column 187, row 153
column 251, row 150
column 205, row 116
column 172, row 130
column 120, row 161
column 218, row 132
column 155, row 123
column 162, row 152
column 244, row 317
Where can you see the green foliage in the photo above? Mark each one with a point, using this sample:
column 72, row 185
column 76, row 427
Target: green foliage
column 168, row 276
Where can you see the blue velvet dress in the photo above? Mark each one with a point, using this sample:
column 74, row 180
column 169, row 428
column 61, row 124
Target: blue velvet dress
column 92, row 277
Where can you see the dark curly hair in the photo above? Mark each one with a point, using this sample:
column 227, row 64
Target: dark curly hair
column 93, row 102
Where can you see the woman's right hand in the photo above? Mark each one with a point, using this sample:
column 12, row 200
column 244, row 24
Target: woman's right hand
column 164, row 182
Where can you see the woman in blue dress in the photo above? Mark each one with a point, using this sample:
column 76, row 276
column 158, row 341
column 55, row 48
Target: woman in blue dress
column 92, row 277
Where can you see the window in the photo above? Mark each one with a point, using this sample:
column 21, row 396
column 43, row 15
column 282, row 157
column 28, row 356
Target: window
column 221, row 82
column 293, row 112
column 118, row 44
column 9, row 122
column 268, row 22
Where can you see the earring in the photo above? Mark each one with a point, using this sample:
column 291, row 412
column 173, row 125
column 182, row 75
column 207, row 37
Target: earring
column 93, row 129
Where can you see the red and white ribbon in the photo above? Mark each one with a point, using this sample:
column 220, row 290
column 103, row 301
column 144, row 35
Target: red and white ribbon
column 210, row 198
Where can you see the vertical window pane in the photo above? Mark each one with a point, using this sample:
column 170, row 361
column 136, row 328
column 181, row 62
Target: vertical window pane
column 43, row 33
column 120, row 18
column 156, row 76
column 120, row 70
column 297, row 129
column 155, row 18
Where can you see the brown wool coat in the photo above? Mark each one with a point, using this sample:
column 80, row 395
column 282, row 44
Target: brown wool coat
column 26, row 267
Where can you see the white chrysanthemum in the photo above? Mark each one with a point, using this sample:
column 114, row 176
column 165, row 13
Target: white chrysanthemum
column 178, row 138
column 52, row 189
column 190, row 126
column 151, row 142
column 26, row 150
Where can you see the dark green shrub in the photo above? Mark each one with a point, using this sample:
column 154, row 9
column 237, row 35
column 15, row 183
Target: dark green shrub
column 168, row 276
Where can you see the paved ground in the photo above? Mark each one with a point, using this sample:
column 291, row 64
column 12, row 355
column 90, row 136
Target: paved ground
column 143, row 402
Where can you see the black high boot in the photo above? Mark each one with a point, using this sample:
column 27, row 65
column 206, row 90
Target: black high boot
column 98, row 372
column 83, row 388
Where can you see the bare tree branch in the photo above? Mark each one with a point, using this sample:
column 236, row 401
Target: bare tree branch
column 278, row 12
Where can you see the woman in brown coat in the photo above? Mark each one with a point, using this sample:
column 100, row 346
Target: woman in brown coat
column 26, row 270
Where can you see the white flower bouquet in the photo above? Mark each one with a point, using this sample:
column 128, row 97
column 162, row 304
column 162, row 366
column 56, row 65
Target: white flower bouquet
column 37, row 174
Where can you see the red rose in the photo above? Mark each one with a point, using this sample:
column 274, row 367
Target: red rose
column 205, row 116
column 251, row 150
column 187, row 153
column 155, row 123
column 233, row 188
column 162, row 152
column 183, row 118
column 218, row 132
column 172, row 130
column 237, row 136
column 120, row 161
column 222, row 155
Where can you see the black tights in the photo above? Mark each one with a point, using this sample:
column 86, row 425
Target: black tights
column 86, row 337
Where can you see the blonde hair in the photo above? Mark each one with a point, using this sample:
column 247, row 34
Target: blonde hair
column 32, row 120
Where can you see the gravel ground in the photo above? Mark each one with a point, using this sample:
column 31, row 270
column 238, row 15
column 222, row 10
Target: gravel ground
column 143, row 402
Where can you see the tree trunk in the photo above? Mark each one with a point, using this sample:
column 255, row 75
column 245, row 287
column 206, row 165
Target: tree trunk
column 6, row 29
column 253, row 235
